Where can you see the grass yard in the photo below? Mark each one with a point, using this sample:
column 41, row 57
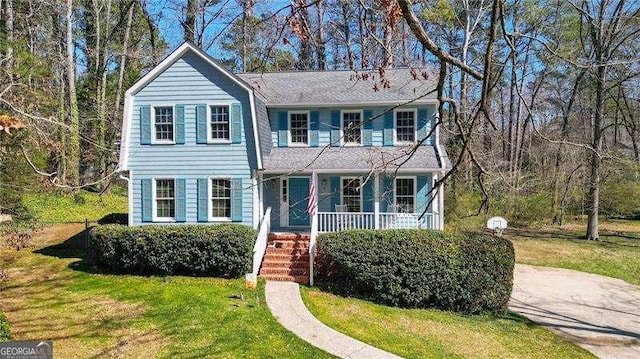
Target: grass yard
column 420, row 333
column 51, row 293
column 64, row 208
column 616, row 255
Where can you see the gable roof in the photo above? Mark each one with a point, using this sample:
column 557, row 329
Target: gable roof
column 160, row 68
column 331, row 88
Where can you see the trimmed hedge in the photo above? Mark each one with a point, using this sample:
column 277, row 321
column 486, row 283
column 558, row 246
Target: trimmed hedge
column 224, row 250
column 468, row 273
column 5, row 335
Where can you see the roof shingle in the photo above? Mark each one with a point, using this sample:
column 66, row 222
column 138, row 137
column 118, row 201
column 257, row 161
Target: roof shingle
column 327, row 88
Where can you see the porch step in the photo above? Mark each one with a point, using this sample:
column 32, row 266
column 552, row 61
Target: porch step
column 286, row 258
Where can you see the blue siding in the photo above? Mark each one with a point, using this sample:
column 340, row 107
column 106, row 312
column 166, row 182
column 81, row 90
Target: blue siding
column 191, row 81
column 375, row 130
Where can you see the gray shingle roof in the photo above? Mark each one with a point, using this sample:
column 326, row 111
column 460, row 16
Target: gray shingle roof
column 325, row 88
column 295, row 159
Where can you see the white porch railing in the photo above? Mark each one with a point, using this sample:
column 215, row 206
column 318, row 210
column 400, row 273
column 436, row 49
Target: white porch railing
column 260, row 247
column 340, row 221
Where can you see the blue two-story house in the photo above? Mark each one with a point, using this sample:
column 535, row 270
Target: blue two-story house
column 203, row 145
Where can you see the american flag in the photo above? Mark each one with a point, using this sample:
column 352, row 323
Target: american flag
column 313, row 198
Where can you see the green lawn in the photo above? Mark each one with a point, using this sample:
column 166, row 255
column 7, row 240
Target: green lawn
column 419, row 333
column 52, row 294
column 616, row 255
column 63, row 208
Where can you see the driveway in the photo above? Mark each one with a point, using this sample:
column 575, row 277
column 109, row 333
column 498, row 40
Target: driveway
column 600, row 314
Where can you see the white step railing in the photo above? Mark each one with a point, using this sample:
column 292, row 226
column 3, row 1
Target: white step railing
column 340, row 221
column 260, row 247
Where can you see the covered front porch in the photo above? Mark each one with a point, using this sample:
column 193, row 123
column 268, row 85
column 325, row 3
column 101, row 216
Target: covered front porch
column 352, row 200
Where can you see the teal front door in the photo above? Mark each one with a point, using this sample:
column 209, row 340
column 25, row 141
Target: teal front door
column 298, row 202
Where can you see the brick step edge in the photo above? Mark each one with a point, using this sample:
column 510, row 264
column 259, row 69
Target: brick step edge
column 288, row 236
column 288, row 244
column 285, row 264
column 285, row 258
column 303, row 279
column 289, row 251
column 284, row 271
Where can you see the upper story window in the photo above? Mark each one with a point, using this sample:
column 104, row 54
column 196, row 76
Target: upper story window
column 299, row 128
column 165, row 199
column 219, row 123
column 163, row 123
column 352, row 127
column 351, row 196
column 405, row 195
column 405, row 125
column 220, row 198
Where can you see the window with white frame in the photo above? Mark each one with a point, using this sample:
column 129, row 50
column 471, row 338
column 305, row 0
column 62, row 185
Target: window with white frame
column 219, row 123
column 405, row 126
column 165, row 198
column 405, row 195
column 299, row 128
column 220, row 198
column 163, row 123
column 352, row 127
column 351, row 196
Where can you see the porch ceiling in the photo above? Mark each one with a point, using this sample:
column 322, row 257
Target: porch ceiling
column 383, row 159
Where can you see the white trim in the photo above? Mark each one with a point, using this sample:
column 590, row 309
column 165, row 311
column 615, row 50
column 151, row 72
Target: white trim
column 155, row 72
column 342, row 141
column 395, row 124
column 284, row 204
column 255, row 197
column 361, row 185
column 123, row 162
column 298, row 144
column 216, row 141
column 154, row 206
column 254, row 122
column 415, row 191
column 130, row 197
column 154, row 140
column 211, row 218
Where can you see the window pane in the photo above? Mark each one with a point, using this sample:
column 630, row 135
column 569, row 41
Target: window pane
column 221, row 198
column 405, row 130
column 165, row 198
column 299, row 128
column 164, row 123
column 219, row 122
column 351, row 194
column 352, row 126
column 405, row 196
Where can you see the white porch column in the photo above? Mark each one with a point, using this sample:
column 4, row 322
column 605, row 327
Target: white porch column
column 376, row 199
column 441, row 200
column 435, row 203
column 255, row 193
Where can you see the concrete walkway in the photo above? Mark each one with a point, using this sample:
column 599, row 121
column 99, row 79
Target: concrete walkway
column 284, row 301
column 600, row 314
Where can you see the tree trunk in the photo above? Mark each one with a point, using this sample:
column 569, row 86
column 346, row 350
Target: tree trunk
column 320, row 42
column 72, row 166
column 189, row 23
column 123, row 59
column 9, row 29
column 594, row 178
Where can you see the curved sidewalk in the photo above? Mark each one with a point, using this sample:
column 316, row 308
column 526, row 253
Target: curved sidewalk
column 598, row 313
column 285, row 302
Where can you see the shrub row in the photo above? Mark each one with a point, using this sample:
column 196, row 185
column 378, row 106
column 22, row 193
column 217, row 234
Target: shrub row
column 222, row 250
column 5, row 335
column 469, row 273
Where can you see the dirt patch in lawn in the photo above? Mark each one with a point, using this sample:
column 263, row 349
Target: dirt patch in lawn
column 40, row 305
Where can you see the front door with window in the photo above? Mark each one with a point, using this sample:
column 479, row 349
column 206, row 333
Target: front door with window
column 298, row 202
